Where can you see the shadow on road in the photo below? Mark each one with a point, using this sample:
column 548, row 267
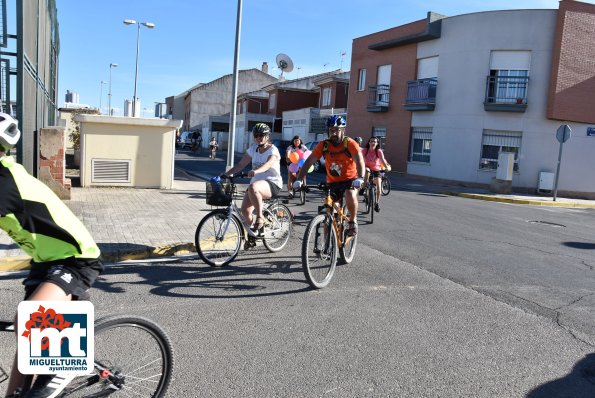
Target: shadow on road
column 580, row 245
column 580, row 382
column 191, row 279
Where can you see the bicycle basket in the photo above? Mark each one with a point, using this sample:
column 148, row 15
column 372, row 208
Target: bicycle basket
column 218, row 194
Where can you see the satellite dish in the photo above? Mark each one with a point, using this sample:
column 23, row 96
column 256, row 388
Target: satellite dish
column 284, row 63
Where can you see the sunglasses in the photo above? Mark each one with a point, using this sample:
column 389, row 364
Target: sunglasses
column 259, row 135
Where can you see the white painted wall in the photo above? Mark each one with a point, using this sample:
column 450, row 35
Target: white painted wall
column 459, row 118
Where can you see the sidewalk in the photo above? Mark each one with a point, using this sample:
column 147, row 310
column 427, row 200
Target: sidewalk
column 412, row 183
column 132, row 223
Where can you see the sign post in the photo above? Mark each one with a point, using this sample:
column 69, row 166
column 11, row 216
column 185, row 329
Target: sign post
column 562, row 135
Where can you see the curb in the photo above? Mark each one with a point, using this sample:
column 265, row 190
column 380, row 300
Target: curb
column 21, row 263
column 521, row 201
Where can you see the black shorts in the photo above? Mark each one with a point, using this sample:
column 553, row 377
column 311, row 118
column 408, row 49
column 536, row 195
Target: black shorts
column 274, row 189
column 74, row 276
column 376, row 173
column 338, row 188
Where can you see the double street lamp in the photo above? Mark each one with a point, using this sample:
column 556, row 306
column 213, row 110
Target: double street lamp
column 138, row 24
column 109, row 100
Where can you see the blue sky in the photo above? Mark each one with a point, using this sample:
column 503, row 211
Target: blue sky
column 193, row 40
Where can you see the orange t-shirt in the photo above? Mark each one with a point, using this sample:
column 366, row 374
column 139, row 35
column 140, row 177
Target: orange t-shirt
column 339, row 166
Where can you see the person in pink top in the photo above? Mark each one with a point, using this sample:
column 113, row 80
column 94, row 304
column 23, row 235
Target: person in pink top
column 375, row 163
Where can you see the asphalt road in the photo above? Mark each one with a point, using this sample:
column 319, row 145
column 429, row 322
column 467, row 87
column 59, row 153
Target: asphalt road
column 446, row 297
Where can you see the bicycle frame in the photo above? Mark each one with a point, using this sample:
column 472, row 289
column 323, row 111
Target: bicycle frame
column 334, row 209
column 234, row 209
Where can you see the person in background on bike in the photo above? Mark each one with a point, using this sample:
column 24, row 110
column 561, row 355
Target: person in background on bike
column 196, row 141
column 266, row 180
column 296, row 144
column 213, row 145
column 344, row 166
column 65, row 261
column 375, row 163
column 359, row 140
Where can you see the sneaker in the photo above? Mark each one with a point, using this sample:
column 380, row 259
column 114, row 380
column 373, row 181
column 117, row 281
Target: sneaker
column 351, row 228
column 48, row 386
column 249, row 243
column 376, row 207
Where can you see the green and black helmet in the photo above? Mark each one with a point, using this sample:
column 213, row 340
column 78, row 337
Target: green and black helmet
column 261, row 128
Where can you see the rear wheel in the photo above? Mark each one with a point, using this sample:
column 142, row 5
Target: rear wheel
column 133, row 357
column 278, row 231
column 319, row 251
column 217, row 240
column 385, row 186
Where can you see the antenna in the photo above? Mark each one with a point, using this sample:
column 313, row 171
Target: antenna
column 343, row 53
column 284, row 63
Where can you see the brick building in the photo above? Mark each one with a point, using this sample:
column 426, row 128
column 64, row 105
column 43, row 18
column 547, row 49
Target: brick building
column 450, row 94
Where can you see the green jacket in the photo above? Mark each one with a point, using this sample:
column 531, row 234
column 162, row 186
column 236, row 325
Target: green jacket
column 38, row 221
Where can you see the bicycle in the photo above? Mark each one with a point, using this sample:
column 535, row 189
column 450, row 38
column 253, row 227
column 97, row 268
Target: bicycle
column 143, row 367
column 325, row 235
column 385, row 183
column 369, row 193
column 301, row 193
column 220, row 233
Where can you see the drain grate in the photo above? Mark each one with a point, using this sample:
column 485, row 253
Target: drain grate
column 549, row 224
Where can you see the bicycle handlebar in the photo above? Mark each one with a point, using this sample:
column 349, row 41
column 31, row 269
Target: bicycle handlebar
column 233, row 176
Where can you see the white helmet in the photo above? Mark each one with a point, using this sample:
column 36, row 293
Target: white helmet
column 9, row 132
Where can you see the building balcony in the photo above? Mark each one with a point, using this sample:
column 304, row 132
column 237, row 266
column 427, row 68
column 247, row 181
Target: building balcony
column 378, row 98
column 421, row 95
column 506, row 93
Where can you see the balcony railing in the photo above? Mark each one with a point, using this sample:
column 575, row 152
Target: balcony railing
column 378, row 98
column 421, row 95
column 506, row 93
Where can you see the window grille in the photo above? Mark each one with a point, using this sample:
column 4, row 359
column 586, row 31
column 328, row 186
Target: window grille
column 421, row 144
column 495, row 141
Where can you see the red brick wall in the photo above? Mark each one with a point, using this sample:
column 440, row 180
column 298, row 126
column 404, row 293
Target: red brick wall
column 396, row 120
column 572, row 85
column 290, row 100
column 52, row 162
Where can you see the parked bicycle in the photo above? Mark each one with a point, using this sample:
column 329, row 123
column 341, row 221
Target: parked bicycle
column 326, row 239
column 220, row 233
column 133, row 357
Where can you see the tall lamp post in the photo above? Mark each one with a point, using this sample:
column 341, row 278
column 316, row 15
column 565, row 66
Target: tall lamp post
column 109, row 96
column 101, row 83
column 138, row 24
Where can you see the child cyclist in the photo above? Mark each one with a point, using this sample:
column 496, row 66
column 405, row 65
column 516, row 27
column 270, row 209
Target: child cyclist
column 296, row 145
column 65, row 261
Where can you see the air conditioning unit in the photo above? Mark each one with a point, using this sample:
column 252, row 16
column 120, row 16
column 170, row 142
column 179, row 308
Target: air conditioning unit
column 546, row 182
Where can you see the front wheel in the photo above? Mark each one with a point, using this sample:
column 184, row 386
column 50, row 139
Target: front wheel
column 371, row 202
column 303, row 195
column 319, row 251
column 133, row 357
column 385, row 186
column 278, row 231
column 347, row 250
column 218, row 238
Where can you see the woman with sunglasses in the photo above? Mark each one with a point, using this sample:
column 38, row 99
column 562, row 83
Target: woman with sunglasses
column 265, row 175
column 375, row 162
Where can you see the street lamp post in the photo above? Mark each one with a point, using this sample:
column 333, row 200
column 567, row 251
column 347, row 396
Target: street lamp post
column 101, row 83
column 109, row 100
column 138, row 24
